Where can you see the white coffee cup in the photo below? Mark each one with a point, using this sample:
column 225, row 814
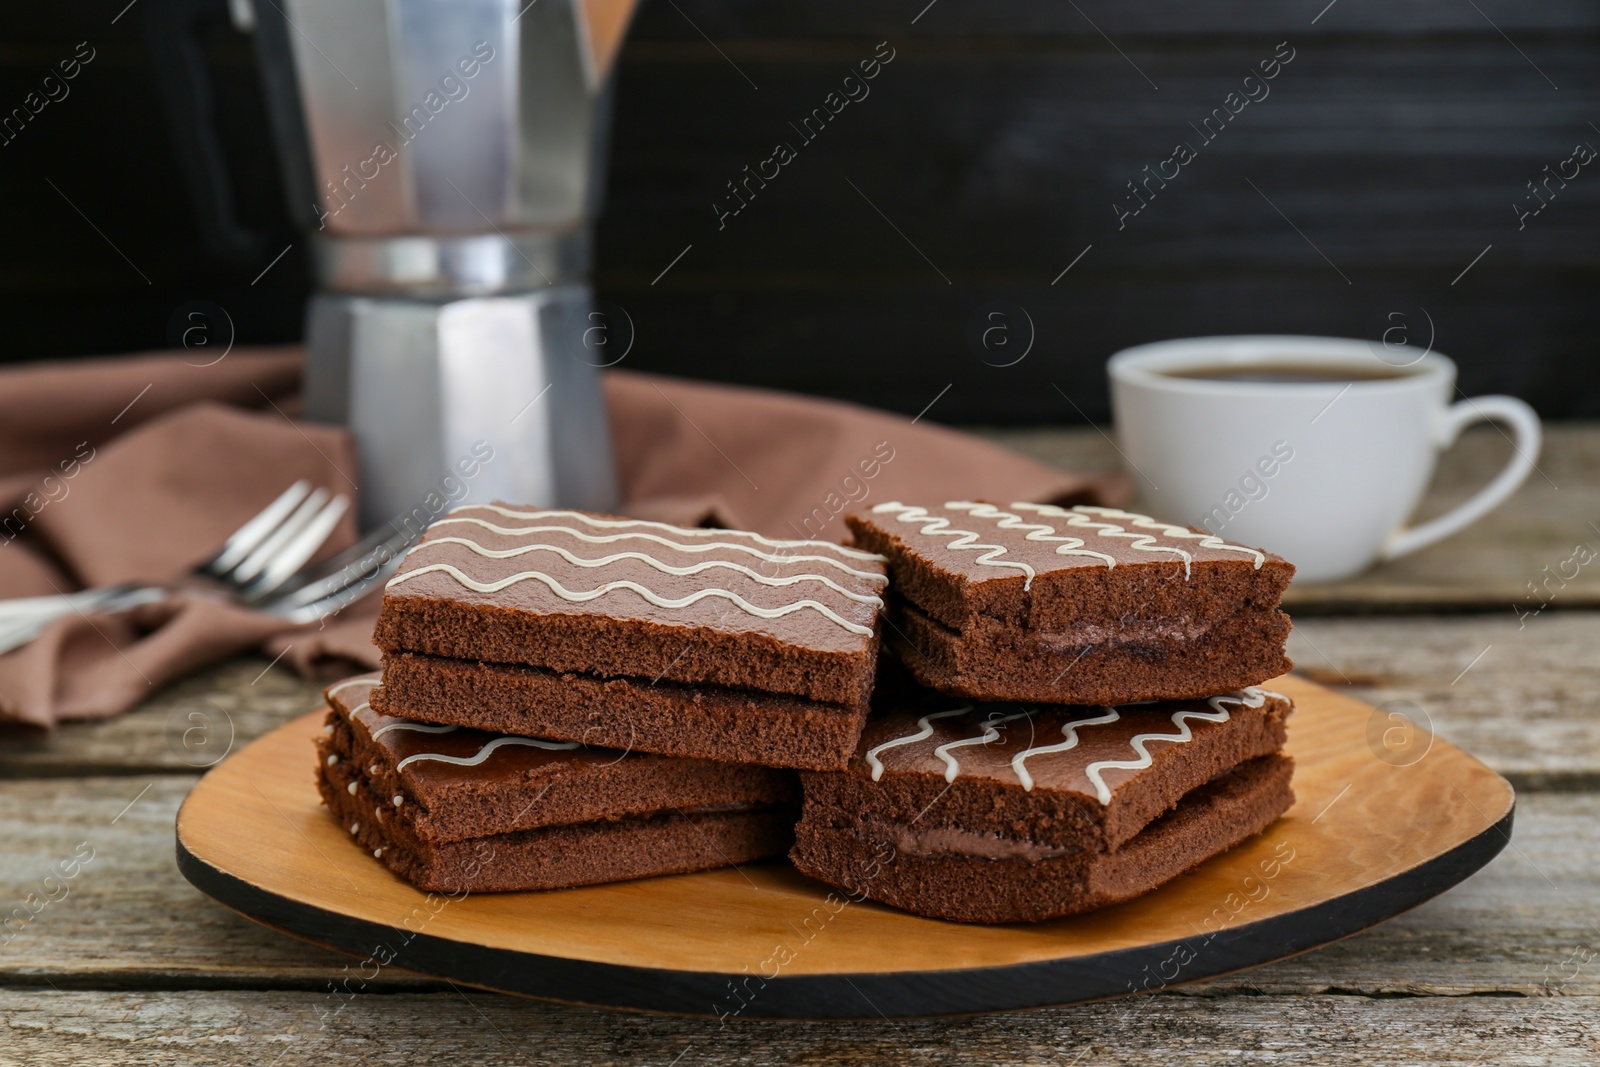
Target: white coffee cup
column 1323, row 472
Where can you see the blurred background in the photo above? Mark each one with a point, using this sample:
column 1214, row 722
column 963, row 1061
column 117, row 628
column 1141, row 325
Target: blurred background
column 1412, row 168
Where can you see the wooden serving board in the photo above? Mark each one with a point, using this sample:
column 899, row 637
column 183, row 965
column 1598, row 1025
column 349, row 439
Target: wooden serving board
column 1384, row 821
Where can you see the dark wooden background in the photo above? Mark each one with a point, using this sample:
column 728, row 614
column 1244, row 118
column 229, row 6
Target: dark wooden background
column 1391, row 150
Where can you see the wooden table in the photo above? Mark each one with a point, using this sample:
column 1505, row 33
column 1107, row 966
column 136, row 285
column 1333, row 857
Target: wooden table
column 130, row 965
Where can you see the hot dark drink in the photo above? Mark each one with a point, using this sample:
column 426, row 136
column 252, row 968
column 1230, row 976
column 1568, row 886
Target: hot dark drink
column 1290, row 373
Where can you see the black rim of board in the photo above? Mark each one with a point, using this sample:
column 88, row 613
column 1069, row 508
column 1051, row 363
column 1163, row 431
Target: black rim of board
column 864, row 995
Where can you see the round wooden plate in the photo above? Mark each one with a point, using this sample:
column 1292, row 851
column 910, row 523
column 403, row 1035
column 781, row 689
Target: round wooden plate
column 1385, row 820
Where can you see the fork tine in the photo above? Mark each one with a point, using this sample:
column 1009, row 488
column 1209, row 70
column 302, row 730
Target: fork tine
column 332, row 576
column 249, row 536
column 257, row 561
column 294, row 552
column 335, row 600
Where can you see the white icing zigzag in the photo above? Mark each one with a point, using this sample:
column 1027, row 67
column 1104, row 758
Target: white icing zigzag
column 1144, row 522
column 580, row 597
column 651, row 561
column 348, row 682
column 1249, row 697
column 1078, row 517
column 407, row 724
column 936, row 526
column 1081, row 517
column 1168, row 530
column 926, row 731
column 1070, row 732
column 605, row 524
column 486, row 751
column 990, row 734
column 429, row 728
column 714, row 546
column 398, row 724
column 1071, row 546
column 820, row 553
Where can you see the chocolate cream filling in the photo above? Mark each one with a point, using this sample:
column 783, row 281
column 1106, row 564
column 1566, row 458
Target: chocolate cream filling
column 934, row 841
column 948, row 840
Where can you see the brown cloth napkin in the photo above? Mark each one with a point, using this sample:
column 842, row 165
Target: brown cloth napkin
column 137, row 468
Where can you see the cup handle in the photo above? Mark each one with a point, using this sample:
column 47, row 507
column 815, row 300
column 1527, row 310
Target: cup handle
column 1524, row 425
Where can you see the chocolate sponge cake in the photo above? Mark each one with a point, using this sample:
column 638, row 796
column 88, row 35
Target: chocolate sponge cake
column 706, row 722
column 715, row 644
column 458, row 810
column 1009, row 813
column 1082, row 605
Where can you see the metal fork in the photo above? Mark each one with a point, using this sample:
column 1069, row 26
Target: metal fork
column 344, row 579
column 256, row 565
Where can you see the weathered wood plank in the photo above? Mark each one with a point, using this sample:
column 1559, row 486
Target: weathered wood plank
column 1383, row 157
column 188, row 726
column 130, row 920
column 127, row 903
column 1525, row 701
column 89, row 1029
column 1401, row 164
